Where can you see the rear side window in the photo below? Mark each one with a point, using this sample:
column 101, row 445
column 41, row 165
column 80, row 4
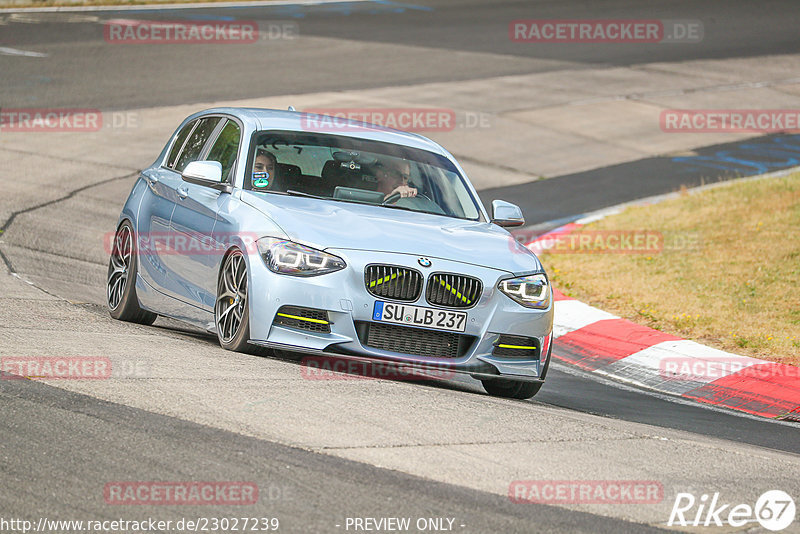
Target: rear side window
column 196, row 142
column 225, row 148
column 176, row 147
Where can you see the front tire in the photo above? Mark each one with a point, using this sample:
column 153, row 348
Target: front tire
column 231, row 314
column 511, row 389
column 121, row 299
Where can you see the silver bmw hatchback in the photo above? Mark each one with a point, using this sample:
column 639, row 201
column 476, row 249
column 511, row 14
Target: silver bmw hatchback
column 307, row 234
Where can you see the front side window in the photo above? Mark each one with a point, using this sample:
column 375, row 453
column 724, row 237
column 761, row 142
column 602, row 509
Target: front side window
column 345, row 169
column 225, row 148
column 178, row 144
column 196, row 142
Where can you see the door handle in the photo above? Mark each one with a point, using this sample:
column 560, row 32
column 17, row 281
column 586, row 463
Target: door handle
column 183, row 192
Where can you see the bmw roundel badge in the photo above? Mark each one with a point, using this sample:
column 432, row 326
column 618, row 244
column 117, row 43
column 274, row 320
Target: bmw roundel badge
column 425, row 262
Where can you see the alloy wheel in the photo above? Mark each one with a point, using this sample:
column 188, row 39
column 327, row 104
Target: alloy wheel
column 231, row 297
column 120, row 267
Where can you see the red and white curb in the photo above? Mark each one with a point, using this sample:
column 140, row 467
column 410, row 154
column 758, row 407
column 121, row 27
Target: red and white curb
column 599, row 342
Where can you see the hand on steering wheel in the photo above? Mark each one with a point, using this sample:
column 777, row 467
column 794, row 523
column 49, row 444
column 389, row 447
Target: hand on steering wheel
column 401, row 191
column 391, row 199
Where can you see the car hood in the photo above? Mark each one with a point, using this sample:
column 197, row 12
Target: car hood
column 326, row 224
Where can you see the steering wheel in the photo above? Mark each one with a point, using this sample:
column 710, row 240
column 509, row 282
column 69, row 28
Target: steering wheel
column 391, row 199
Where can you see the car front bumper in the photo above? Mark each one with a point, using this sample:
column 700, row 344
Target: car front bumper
column 349, row 307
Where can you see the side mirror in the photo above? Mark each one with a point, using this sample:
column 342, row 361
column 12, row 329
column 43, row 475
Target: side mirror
column 506, row 214
column 208, row 173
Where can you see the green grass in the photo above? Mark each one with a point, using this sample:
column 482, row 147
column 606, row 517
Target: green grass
column 737, row 288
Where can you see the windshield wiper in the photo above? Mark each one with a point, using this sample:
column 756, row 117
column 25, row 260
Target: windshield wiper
column 308, row 195
column 292, row 192
column 396, row 207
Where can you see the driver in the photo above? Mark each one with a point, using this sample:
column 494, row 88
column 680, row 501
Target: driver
column 264, row 170
column 393, row 178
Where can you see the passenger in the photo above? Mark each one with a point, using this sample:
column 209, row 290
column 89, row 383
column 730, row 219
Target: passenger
column 393, row 179
column 264, row 170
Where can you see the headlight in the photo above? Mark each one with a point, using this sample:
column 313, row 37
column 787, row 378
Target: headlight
column 286, row 257
column 531, row 291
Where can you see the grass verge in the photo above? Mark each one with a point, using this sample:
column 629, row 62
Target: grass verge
column 727, row 273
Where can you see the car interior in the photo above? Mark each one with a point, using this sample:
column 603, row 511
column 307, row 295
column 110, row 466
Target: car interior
column 346, row 176
column 342, row 169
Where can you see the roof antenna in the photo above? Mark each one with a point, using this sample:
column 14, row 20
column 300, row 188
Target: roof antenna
column 291, row 108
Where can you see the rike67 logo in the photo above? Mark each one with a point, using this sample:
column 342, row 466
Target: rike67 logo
column 774, row 510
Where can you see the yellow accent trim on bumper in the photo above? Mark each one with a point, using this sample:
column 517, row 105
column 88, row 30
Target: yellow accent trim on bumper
column 318, row 321
column 504, row 346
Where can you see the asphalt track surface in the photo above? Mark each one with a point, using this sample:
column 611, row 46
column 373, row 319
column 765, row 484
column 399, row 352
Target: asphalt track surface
column 51, row 424
column 316, row 492
column 126, row 77
column 545, row 201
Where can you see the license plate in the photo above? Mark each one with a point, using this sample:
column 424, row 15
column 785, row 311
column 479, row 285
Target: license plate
column 388, row 312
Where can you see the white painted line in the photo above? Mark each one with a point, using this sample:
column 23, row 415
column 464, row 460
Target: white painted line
column 37, row 18
column 14, row 52
column 149, row 7
column 572, row 314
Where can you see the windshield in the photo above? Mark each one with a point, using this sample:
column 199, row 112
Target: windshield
column 357, row 170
